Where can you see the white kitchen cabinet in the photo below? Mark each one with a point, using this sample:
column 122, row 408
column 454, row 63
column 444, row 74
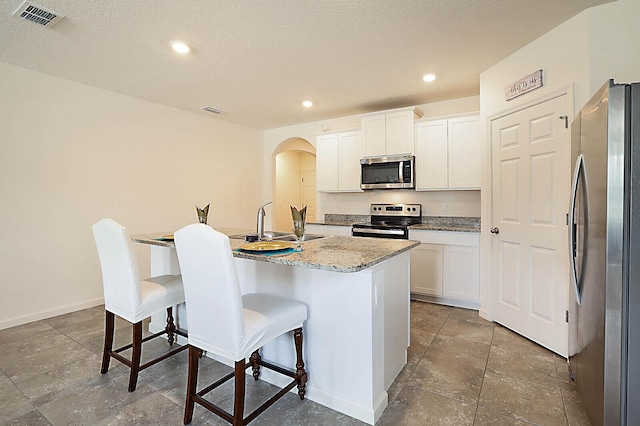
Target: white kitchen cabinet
column 389, row 133
column 338, row 162
column 327, row 164
column 445, row 268
column 431, row 155
column 448, row 154
column 426, row 267
column 461, row 272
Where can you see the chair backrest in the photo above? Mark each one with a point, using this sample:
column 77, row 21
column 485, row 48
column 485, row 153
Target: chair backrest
column 120, row 277
column 211, row 288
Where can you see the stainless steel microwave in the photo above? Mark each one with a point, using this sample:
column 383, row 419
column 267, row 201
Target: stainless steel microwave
column 392, row 172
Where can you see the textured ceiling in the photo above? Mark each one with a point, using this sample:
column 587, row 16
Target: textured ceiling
column 257, row 60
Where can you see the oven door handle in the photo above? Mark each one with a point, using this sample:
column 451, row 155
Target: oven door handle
column 378, row 231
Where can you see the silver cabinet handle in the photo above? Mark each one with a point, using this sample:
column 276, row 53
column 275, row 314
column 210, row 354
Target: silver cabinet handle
column 495, row 230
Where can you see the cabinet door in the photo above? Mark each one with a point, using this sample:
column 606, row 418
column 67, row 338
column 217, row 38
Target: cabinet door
column 373, row 133
column 351, row 151
column 327, row 163
column 426, row 269
column 399, row 133
column 464, row 152
column 461, row 276
column 431, row 155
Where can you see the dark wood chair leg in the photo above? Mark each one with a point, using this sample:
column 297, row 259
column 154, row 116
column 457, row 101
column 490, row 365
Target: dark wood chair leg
column 135, row 356
column 171, row 327
column 238, row 402
column 108, row 341
column 192, row 382
column 301, row 374
column 255, row 364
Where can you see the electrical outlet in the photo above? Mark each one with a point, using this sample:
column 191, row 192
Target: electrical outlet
column 445, row 207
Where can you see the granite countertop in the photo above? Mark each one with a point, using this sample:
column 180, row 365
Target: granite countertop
column 429, row 223
column 335, row 253
column 448, row 223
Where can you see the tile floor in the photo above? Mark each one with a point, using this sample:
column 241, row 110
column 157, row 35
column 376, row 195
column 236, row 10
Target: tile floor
column 461, row 370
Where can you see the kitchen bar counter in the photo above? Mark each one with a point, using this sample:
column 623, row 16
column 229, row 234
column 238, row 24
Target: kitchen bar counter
column 357, row 333
column 334, row 253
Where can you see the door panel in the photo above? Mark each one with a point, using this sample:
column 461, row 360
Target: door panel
column 531, row 155
column 309, row 194
column 510, row 190
column 509, row 277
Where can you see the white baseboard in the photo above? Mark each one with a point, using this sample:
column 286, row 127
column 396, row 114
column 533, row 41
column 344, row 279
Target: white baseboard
column 12, row 322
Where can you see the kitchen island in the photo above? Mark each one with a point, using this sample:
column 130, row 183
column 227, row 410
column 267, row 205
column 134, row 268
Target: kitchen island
column 357, row 332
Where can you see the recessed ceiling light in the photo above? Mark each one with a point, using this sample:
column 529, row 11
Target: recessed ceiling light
column 180, row 47
column 429, row 78
column 307, row 104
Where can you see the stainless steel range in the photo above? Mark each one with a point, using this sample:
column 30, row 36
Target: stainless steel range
column 389, row 221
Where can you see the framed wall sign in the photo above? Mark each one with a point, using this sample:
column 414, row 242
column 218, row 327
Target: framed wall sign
column 525, row 84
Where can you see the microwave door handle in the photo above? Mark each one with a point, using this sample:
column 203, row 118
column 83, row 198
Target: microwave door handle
column 400, row 171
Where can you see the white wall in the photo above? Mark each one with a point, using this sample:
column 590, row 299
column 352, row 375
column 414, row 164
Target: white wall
column 71, row 154
column 613, row 43
column 583, row 52
column 437, row 203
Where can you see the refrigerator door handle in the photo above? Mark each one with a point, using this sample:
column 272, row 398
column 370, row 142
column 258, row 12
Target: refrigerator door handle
column 578, row 171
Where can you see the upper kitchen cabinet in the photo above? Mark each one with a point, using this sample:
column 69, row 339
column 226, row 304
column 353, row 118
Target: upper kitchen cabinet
column 389, row 133
column 448, row 154
column 338, row 162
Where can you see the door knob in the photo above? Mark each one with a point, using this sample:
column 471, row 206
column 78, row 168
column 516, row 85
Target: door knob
column 495, row 230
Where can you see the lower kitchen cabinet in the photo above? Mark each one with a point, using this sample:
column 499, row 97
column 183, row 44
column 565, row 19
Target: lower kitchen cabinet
column 445, row 268
column 426, row 269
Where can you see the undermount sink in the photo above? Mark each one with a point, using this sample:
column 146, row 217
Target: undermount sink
column 291, row 237
column 279, row 236
column 274, row 235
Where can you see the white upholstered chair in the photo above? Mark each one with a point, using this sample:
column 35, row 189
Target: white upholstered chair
column 131, row 298
column 223, row 322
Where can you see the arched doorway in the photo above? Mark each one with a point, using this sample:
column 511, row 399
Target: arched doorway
column 294, row 168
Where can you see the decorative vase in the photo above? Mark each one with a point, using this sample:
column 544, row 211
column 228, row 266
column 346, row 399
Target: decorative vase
column 202, row 214
column 299, row 217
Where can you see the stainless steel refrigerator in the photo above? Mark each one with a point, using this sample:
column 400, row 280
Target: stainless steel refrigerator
column 604, row 240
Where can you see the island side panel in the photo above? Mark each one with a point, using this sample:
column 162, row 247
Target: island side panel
column 397, row 316
column 344, row 335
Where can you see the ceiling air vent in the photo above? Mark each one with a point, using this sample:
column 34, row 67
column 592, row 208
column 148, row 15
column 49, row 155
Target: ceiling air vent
column 38, row 14
column 212, row 109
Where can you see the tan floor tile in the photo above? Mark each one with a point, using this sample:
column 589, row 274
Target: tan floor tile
column 414, row 406
column 505, row 361
column 470, row 315
column 504, row 337
column 523, row 400
column 486, row 417
column 576, row 414
column 31, row 330
column 448, row 355
column 467, row 330
column 460, row 351
column 449, row 379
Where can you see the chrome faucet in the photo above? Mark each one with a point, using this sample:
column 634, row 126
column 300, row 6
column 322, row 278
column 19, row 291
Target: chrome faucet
column 260, row 226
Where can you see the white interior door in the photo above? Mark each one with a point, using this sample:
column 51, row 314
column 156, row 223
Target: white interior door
column 531, row 178
column 309, row 194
